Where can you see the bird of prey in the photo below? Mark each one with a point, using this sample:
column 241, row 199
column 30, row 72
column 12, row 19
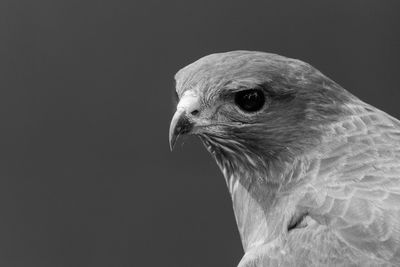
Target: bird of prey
column 313, row 171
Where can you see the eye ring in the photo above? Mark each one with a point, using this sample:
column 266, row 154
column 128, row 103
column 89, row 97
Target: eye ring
column 251, row 100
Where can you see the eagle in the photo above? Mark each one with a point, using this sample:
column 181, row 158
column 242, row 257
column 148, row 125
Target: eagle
column 313, row 171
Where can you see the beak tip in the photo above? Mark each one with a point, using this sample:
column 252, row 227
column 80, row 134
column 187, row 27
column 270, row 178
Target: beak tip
column 177, row 127
column 172, row 141
column 173, row 136
column 180, row 125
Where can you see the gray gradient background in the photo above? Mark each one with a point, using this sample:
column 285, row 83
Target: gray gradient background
column 86, row 175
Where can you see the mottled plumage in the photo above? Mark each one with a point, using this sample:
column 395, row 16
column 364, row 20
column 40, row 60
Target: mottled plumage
column 314, row 176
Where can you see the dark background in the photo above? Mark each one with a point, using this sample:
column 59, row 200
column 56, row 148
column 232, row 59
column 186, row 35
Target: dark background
column 86, row 175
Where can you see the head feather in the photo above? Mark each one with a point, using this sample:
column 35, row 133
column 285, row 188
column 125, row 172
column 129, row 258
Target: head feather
column 301, row 102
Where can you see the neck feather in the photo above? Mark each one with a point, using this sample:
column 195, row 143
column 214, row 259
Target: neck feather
column 256, row 186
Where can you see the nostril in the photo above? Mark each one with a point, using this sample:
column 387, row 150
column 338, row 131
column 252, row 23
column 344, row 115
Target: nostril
column 194, row 112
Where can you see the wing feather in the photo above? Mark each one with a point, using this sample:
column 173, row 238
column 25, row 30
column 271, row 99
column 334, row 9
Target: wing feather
column 356, row 191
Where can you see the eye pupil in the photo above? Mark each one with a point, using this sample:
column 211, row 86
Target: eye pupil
column 250, row 100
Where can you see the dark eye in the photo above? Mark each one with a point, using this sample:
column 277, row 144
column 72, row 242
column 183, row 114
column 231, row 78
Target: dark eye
column 250, row 100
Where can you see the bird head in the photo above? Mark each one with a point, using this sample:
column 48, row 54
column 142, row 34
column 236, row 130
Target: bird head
column 254, row 108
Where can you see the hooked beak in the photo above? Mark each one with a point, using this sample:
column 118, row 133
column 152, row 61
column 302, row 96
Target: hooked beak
column 181, row 122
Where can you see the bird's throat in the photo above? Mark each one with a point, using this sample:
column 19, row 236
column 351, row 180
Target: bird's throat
column 254, row 186
column 255, row 202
